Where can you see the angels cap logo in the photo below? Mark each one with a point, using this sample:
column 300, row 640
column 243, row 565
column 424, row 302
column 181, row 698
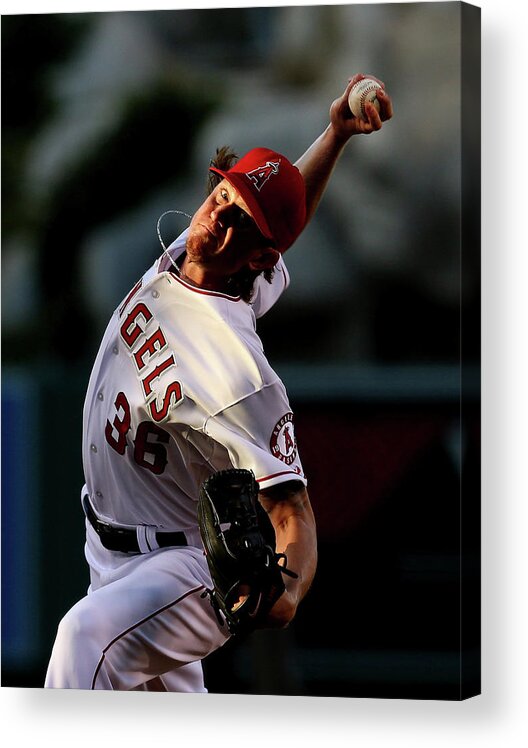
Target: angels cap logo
column 282, row 443
column 261, row 174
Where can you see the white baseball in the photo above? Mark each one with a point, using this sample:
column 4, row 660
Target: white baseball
column 363, row 91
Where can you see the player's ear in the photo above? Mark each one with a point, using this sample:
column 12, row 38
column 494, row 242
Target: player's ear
column 267, row 258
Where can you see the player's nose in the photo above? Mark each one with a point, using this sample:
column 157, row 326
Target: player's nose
column 220, row 214
column 215, row 214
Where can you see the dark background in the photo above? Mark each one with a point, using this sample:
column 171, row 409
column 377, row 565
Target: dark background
column 108, row 120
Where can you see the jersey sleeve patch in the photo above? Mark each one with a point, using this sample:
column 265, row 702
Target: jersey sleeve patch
column 283, row 444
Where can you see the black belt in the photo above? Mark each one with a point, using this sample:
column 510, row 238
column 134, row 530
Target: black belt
column 124, row 540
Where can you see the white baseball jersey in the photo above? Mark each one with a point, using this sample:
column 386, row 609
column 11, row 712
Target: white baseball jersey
column 181, row 388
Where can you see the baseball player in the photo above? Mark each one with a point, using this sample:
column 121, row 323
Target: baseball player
column 181, row 389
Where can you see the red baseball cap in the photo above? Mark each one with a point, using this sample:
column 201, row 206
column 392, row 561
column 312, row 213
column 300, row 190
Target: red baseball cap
column 273, row 189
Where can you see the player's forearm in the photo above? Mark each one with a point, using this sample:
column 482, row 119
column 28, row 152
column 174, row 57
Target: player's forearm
column 316, row 166
column 298, row 541
column 292, row 517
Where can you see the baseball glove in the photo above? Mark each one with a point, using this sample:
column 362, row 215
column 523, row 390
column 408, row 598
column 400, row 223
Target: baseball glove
column 239, row 543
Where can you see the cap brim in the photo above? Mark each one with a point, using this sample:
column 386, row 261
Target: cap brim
column 240, row 183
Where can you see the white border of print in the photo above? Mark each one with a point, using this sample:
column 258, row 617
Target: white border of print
column 498, row 716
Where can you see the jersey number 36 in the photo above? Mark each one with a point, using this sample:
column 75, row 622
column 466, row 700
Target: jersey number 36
column 151, row 455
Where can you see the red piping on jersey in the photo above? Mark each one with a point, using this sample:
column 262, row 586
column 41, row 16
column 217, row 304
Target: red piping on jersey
column 275, row 475
column 203, row 291
column 130, row 295
column 139, row 623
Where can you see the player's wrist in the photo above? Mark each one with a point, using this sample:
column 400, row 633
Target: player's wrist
column 337, row 136
column 282, row 612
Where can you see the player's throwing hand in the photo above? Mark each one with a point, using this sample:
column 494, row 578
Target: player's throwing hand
column 343, row 121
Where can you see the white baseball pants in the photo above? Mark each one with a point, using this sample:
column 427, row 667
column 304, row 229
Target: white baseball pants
column 143, row 625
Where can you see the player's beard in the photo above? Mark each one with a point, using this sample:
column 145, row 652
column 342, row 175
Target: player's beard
column 201, row 244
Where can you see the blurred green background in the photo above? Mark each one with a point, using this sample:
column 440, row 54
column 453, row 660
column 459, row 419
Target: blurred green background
column 110, row 119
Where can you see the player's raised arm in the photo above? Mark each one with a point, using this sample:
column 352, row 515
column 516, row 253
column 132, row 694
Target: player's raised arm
column 318, row 162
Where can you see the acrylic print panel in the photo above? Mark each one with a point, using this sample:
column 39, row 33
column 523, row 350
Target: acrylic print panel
column 377, row 338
